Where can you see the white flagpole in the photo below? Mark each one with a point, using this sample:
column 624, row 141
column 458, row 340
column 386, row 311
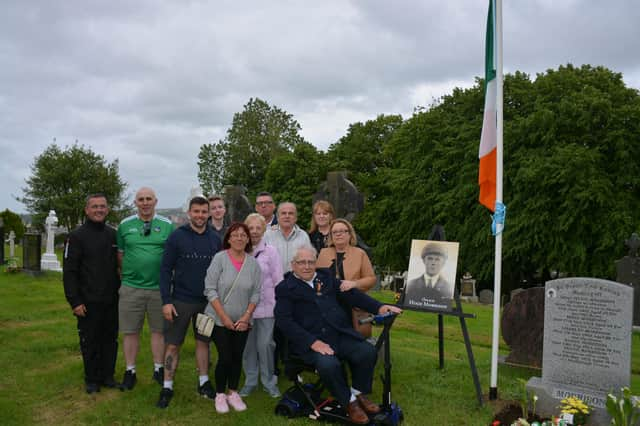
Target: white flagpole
column 497, row 272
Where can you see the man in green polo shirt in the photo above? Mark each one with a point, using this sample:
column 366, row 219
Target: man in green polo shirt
column 141, row 239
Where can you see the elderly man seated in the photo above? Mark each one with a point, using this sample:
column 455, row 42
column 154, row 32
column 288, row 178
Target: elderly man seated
column 309, row 314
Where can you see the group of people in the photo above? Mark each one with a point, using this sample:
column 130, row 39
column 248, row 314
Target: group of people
column 260, row 282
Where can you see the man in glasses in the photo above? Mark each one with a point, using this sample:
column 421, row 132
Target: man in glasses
column 141, row 239
column 318, row 330
column 266, row 208
column 91, row 282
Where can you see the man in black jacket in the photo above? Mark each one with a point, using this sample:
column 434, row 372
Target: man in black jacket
column 91, row 283
column 309, row 314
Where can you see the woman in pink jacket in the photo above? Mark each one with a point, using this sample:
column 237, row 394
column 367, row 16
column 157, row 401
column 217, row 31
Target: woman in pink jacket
column 257, row 359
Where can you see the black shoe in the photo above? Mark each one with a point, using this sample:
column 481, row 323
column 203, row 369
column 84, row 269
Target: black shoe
column 129, row 380
column 110, row 383
column 158, row 376
column 92, row 388
column 165, row 397
column 206, row 390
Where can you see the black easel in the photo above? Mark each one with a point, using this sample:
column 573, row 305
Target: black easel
column 437, row 234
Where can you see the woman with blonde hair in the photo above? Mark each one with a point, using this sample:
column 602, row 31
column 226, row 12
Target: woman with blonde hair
column 349, row 263
column 322, row 214
column 258, row 356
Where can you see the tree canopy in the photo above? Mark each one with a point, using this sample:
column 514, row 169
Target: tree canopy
column 571, row 173
column 256, row 137
column 12, row 222
column 61, row 179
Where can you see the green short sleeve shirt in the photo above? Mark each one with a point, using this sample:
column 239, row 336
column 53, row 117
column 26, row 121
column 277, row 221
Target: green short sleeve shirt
column 142, row 247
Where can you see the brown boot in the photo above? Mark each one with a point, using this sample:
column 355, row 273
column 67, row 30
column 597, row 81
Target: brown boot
column 356, row 415
column 368, row 406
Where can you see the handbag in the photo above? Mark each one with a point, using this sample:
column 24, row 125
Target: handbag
column 356, row 314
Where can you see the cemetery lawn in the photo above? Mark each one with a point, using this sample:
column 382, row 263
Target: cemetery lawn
column 43, row 380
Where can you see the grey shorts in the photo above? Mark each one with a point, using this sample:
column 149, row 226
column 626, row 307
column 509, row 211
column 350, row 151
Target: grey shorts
column 134, row 304
column 176, row 330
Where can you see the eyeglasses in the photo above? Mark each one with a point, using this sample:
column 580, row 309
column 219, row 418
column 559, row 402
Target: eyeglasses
column 304, row 262
column 263, row 203
column 340, row 232
column 146, row 228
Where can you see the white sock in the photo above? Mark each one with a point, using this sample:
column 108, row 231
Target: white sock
column 203, row 379
column 157, row 366
column 355, row 392
column 168, row 384
column 131, row 368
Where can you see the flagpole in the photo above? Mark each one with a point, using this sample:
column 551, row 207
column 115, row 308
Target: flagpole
column 497, row 272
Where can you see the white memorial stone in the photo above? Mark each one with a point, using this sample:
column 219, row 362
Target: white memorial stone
column 49, row 260
column 12, row 244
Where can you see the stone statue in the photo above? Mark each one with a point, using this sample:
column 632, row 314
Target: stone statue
column 49, row 260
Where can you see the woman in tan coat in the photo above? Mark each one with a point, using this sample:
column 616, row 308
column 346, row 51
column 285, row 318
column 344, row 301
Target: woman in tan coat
column 349, row 263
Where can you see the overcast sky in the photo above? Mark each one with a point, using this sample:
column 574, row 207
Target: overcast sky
column 149, row 82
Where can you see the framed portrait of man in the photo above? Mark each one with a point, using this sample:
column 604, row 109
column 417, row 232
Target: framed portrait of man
column 431, row 275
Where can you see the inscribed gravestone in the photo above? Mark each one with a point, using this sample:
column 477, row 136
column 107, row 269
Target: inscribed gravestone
column 347, row 201
column 486, row 296
column 49, row 260
column 587, row 343
column 31, row 252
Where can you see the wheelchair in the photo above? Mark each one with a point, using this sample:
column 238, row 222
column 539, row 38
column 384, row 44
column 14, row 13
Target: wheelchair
column 308, row 399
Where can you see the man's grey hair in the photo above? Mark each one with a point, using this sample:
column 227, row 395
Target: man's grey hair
column 284, row 203
column 306, row 247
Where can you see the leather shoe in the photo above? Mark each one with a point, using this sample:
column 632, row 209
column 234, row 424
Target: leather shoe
column 368, row 406
column 356, row 414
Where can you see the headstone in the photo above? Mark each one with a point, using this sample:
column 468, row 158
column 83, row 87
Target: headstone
column 342, row 194
column 2, row 240
column 468, row 288
column 49, row 261
column 12, row 244
column 522, row 326
column 587, row 344
column 486, row 297
column 237, row 203
column 31, row 252
column 515, row 292
column 628, row 272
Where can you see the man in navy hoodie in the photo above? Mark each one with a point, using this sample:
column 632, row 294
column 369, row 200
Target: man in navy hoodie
column 187, row 255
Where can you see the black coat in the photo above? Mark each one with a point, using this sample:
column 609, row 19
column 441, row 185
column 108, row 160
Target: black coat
column 90, row 267
column 305, row 315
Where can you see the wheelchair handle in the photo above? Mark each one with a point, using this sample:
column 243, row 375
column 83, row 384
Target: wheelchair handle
column 377, row 319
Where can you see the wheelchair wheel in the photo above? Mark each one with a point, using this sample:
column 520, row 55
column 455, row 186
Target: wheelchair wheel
column 286, row 409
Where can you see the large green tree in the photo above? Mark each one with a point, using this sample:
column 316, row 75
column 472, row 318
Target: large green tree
column 257, row 135
column 12, row 222
column 61, row 179
column 295, row 176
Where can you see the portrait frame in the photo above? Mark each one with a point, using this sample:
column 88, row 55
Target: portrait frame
column 438, row 296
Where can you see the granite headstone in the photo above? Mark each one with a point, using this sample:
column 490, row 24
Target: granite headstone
column 486, row 296
column 587, row 343
column 237, row 203
column 342, row 194
column 522, row 326
column 31, row 252
column 628, row 272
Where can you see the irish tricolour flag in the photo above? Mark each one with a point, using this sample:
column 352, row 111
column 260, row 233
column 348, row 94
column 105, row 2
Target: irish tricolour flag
column 488, row 140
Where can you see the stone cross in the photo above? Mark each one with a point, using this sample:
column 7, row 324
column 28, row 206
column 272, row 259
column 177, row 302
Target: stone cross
column 49, row 260
column 51, row 223
column 12, row 244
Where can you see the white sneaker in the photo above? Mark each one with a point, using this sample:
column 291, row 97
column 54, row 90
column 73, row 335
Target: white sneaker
column 221, row 403
column 236, row 402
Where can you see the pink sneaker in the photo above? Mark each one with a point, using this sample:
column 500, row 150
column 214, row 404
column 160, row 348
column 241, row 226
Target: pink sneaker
column 221, row 403
column 236, row 401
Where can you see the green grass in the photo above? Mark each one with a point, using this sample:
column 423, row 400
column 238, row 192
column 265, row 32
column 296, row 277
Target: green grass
column 43, row 380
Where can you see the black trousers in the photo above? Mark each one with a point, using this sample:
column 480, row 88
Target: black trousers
column 98, row 332
column 361, row 357
column 230, row 345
